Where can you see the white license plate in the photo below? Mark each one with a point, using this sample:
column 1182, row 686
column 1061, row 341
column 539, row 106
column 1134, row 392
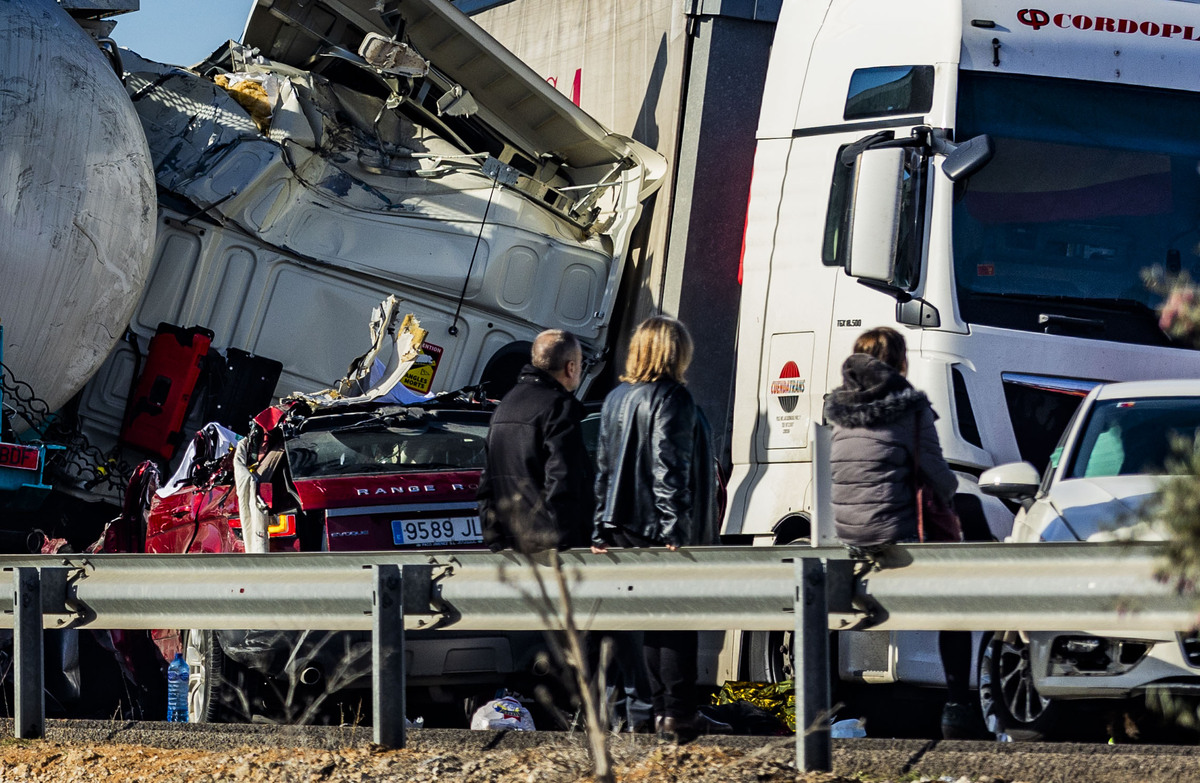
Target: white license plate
column 436, row 532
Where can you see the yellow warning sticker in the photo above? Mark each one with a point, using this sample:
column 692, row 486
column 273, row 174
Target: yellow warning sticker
column 420, row 377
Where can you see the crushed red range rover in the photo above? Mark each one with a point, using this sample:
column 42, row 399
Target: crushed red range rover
column 361, row 477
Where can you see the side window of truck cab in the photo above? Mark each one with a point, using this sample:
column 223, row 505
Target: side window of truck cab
column 905, row 90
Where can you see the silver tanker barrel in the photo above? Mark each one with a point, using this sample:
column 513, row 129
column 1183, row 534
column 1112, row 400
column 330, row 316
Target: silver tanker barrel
column 77, row 196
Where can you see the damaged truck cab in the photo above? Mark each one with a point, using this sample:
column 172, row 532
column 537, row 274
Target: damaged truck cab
column 347, row 151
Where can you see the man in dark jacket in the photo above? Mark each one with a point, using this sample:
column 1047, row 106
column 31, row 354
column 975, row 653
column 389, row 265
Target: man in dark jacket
column 536, row 489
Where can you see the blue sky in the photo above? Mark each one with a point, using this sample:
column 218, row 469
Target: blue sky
column 181, row 32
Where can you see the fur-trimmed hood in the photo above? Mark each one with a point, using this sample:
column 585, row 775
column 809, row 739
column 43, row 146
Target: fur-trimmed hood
column 872, row 393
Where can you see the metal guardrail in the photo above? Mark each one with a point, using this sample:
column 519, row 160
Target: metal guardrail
column 1036, row 587
column 923, row 587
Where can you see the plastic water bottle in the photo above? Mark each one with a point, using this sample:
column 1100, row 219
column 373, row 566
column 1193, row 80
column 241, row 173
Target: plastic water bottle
column 177, row 689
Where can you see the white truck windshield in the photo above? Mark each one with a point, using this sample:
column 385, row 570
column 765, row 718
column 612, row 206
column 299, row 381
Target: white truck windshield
column 1091, row 185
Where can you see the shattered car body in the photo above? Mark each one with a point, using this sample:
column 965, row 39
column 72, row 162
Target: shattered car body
column 434, row 165
column 369, row 476
column 359, row 467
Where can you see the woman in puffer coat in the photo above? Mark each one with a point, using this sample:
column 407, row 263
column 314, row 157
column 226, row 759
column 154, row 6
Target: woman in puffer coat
column 881, row 427
column 878, row 418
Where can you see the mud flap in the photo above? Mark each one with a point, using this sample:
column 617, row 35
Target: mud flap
column 239, row 386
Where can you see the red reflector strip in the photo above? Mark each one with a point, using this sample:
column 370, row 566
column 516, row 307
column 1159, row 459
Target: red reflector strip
column 19, row 457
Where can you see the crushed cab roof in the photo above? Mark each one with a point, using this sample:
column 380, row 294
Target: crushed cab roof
column 511, row 97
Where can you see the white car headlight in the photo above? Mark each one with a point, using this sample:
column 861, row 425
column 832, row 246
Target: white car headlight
column 1095, row 656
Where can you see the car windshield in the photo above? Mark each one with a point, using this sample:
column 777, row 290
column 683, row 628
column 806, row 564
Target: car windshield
column 390, row 445
column 1137, row 436
column 1091, row 184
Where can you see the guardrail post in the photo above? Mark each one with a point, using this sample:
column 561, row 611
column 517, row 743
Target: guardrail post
column 813, row 746
column 387, row 657
column 29, row 695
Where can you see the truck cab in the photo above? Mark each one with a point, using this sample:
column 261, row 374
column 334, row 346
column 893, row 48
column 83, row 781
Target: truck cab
column 997, row 182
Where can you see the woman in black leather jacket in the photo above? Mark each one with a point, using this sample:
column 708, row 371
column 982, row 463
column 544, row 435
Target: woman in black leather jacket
column 656, row 486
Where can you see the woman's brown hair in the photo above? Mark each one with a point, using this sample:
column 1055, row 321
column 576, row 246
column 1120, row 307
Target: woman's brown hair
column 661, row 348
column 886, row 345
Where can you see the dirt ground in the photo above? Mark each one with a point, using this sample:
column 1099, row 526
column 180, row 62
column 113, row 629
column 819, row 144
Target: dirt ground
column 61, row 763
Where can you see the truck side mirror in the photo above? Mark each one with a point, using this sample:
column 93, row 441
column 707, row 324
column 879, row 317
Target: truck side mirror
column 875, row 211
column 965, row 159
column 1015, row 481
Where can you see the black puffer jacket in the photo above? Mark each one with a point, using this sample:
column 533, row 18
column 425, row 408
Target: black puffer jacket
column 536, row 491
column 877, row 417
column 655, row 477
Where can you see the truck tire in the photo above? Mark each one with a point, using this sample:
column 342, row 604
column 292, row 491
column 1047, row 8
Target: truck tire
column 1008, row 698
column 769, row 656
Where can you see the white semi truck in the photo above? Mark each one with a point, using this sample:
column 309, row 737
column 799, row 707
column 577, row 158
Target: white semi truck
column 1017, row 281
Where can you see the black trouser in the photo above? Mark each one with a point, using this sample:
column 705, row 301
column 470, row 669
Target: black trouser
column 955, row 649
column 953, row 646
column 628, row 684
column 670, row 655
column 671, row 661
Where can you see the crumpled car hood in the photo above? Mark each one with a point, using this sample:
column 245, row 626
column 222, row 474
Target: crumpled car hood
column 1106, row 508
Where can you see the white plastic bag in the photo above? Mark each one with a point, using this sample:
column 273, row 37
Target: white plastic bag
column 502, row 714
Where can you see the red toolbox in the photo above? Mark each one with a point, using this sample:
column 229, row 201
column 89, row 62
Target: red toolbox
column 155, row 416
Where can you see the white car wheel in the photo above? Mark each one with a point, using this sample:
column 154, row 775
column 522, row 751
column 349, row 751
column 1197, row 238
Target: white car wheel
column 1008, row 695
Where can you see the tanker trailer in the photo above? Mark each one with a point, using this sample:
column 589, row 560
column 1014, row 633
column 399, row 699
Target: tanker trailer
column 77, row 195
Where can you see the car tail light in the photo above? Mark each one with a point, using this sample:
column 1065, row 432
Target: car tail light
column 280, row 525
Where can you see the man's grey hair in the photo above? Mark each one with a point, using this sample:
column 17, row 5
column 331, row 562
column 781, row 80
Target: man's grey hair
column 552, row 349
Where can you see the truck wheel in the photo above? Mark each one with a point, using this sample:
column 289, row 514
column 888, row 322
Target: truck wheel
column 769, row 656
column 1008, row 696
column 769, row 653
column 210, row 679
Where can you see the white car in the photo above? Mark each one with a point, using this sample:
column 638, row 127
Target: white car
column 1112, row 457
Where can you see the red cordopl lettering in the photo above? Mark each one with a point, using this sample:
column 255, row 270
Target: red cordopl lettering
column 1037, row 19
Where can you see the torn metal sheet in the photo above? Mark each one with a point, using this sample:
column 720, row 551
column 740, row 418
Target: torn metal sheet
column 350, row 165
column 369, row 378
